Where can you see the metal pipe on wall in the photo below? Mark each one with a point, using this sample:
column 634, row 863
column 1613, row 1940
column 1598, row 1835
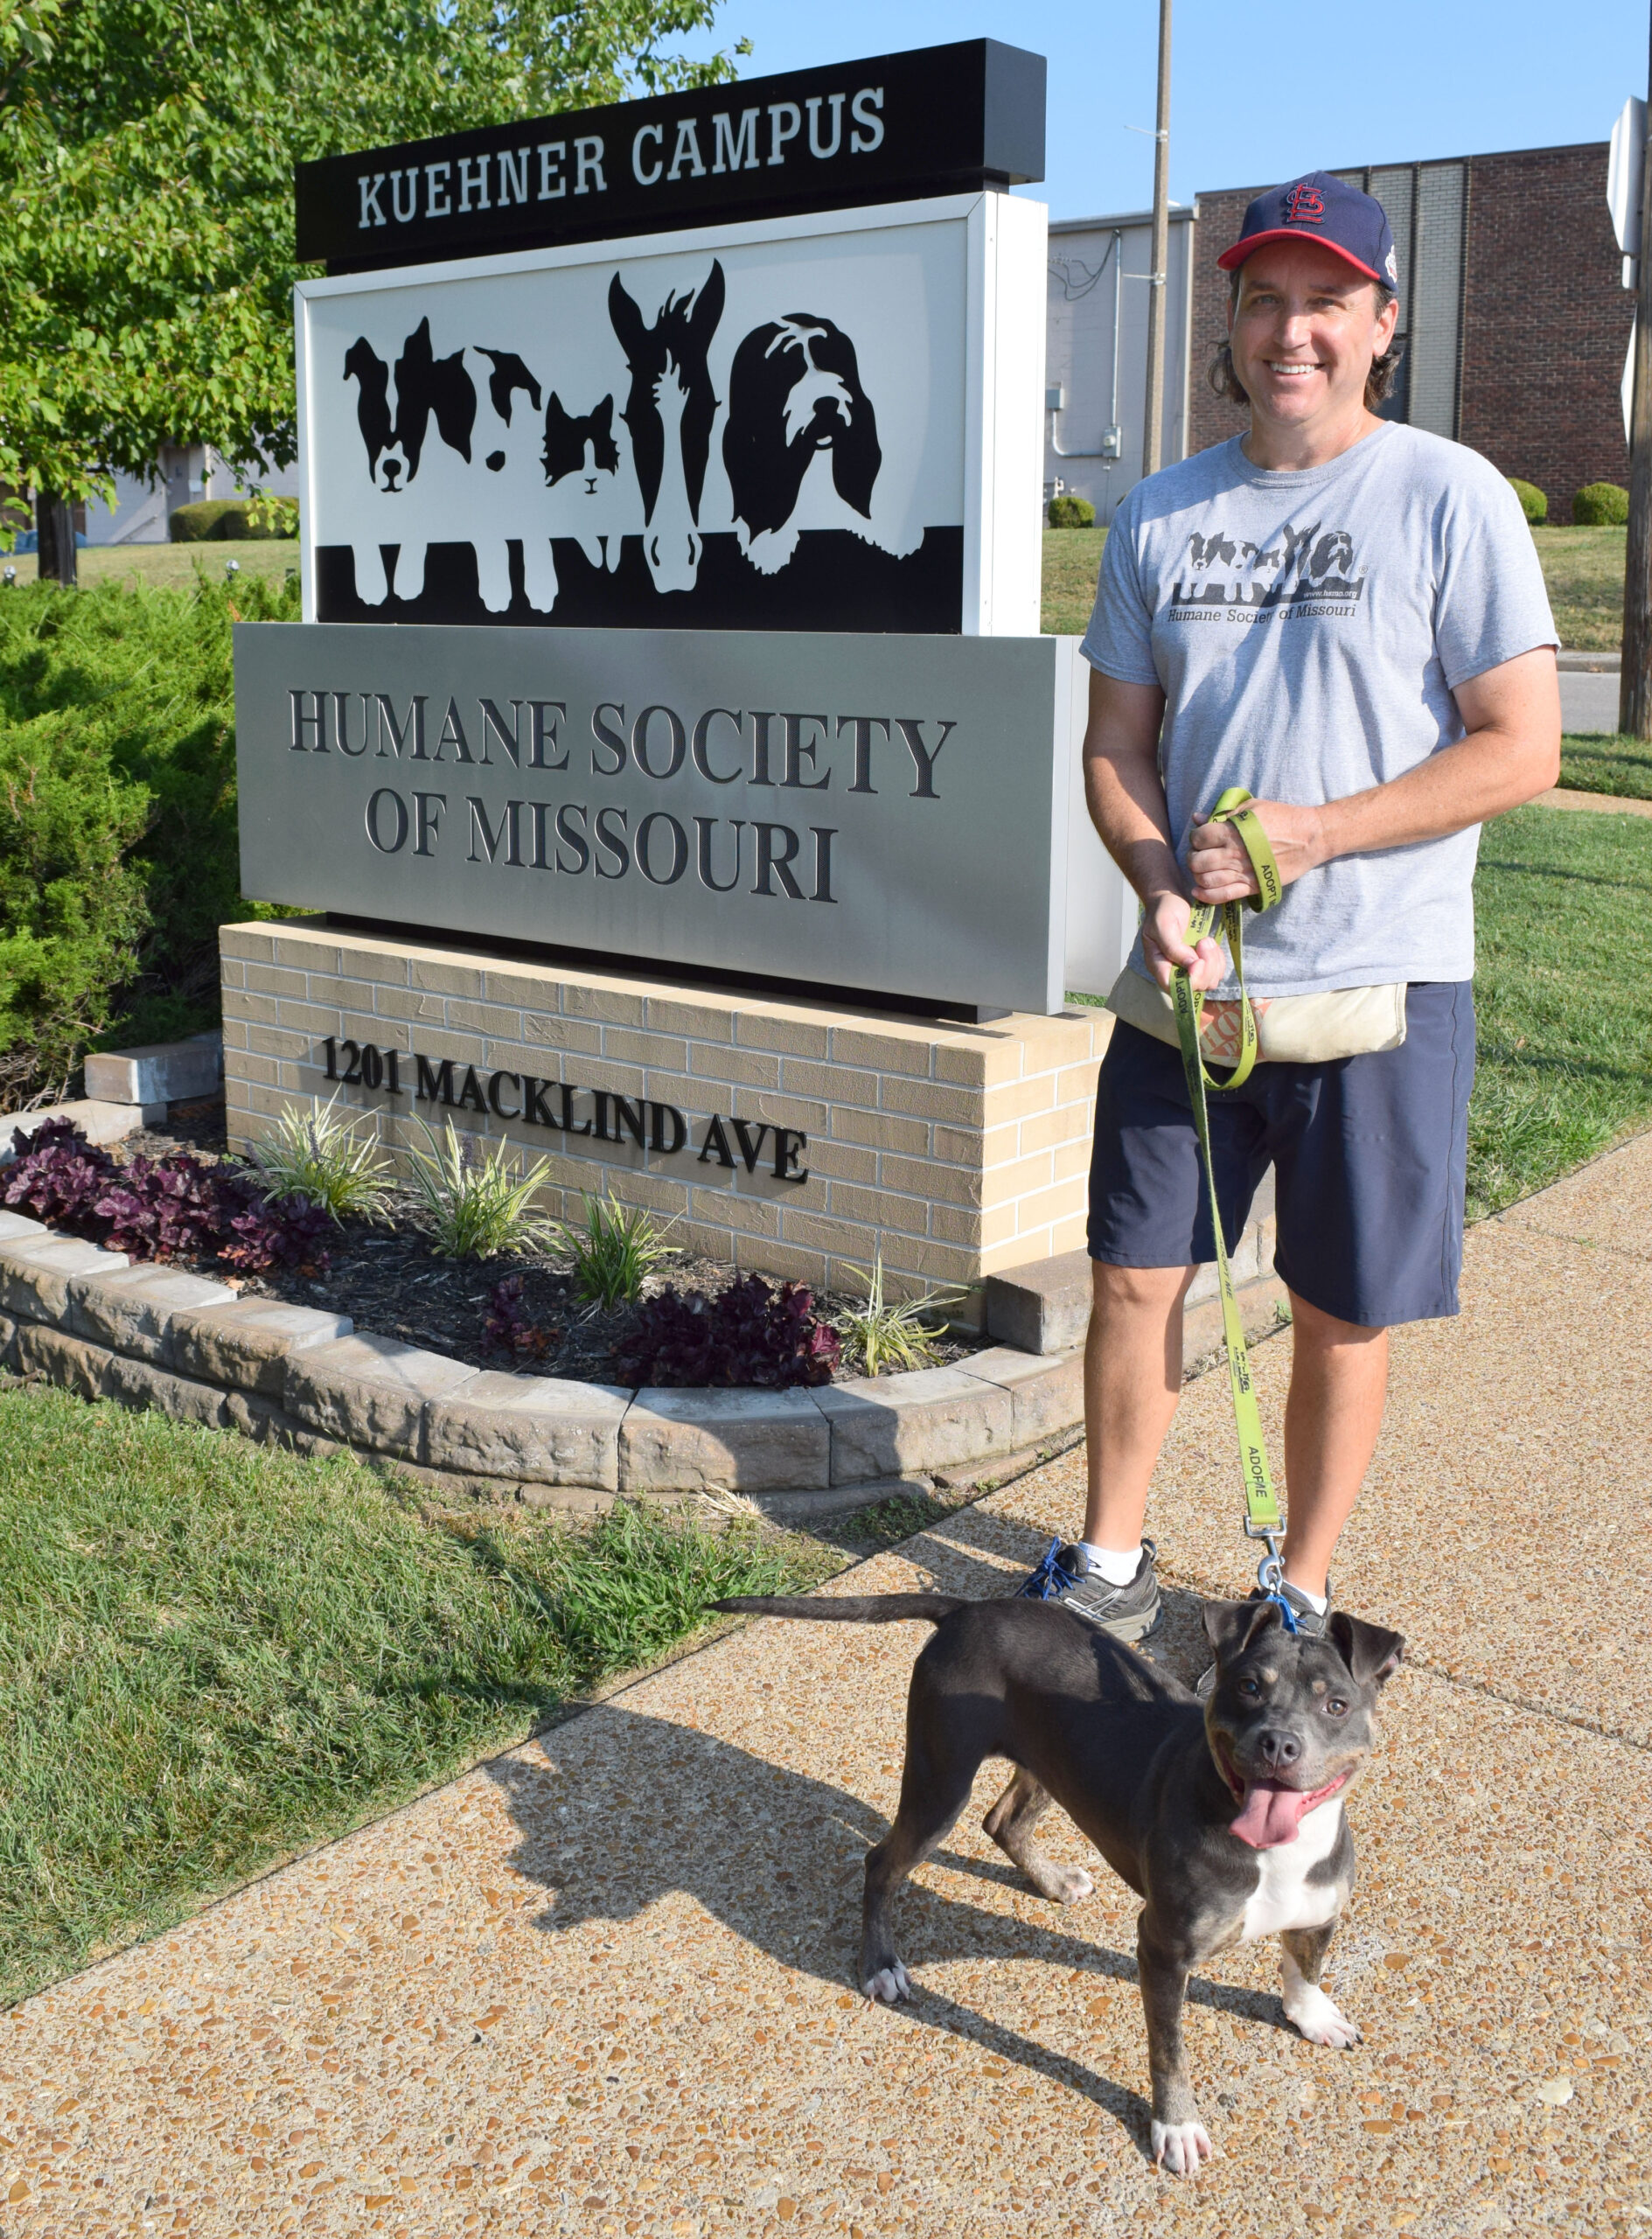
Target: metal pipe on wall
column 1153, row 438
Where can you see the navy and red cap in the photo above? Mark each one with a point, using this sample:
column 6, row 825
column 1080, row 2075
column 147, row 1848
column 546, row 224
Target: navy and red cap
column 1317, row 207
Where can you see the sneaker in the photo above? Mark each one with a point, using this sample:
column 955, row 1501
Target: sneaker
column 1308, row 1620
column 1129, row 1613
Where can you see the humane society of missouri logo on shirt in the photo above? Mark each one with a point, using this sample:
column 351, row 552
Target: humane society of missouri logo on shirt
column 1307, row 571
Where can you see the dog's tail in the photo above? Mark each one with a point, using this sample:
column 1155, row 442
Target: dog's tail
column 855, row 1609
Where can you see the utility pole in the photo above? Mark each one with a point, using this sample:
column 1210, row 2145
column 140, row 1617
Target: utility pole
column 1152, row 439
column 1634, row 684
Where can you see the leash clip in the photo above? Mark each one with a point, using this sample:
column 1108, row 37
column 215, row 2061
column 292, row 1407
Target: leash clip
column 1270, row 1576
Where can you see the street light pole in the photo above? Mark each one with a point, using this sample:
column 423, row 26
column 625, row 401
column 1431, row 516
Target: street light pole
column 1152, row 439
column 1634, row 684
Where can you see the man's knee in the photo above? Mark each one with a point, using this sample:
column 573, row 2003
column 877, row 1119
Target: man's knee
column 1136, row 1289
column 1324, row 1332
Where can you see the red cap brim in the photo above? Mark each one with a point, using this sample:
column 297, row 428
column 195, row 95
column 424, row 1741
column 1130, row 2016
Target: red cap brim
column 1231, row 259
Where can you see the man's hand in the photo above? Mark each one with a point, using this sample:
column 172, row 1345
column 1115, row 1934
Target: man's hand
column 1220, row 868
column 1164, row 943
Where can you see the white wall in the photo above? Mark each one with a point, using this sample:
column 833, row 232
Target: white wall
column 1085, row 255
column 185, row 473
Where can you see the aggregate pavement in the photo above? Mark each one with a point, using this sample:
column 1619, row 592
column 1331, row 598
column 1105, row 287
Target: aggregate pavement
column 601, row 1984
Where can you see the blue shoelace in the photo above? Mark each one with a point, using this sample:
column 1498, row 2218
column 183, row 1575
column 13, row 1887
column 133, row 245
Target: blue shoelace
column 1050, row 1579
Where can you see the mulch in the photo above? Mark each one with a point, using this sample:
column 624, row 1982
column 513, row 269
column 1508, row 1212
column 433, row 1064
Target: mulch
column 386, row 1280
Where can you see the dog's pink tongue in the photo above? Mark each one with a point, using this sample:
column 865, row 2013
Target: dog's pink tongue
column 1269, row 1814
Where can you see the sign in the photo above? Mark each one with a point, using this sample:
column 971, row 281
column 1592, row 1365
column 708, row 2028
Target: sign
column 886, row 814
column 824, row 423
column 938, row 120
column 1625, row 163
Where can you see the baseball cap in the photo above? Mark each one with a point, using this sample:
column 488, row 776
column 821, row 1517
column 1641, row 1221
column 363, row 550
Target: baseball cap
column 1320, row 208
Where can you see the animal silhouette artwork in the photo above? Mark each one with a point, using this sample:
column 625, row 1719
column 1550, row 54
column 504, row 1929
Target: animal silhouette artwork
column 668, row 415
column 794, row 391
column 656, row 441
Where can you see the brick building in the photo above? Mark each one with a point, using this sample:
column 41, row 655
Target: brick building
column 1513, row 313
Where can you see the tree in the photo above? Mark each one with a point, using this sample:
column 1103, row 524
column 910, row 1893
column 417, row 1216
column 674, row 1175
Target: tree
column 146, row 154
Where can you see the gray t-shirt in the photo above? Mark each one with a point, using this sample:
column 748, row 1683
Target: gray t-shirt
column 1308, row 631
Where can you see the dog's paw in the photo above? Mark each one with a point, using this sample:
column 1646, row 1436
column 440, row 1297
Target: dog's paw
column 1320, row 2020
column 889, row 1985
column 1066, row 1885
column 1179, row 2148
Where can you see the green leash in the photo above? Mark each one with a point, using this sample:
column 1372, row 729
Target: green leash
column 1262, row 1517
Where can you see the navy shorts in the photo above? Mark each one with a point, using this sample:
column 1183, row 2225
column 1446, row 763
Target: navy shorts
column 1369, row 1155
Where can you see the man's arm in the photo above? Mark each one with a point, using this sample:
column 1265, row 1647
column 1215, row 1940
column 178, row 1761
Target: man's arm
column 1511, row 754
column 1126, row 803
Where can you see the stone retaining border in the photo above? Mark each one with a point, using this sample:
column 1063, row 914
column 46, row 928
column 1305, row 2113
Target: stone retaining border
column 152, row 1336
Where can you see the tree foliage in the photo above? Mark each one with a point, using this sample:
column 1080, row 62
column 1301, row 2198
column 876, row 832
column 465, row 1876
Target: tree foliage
column 146, row 154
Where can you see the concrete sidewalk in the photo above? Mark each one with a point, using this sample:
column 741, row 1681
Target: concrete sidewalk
column 602, row 1985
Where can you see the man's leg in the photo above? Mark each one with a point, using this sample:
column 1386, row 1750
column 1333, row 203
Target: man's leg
column 1339, row 1376
column 1132, row 1379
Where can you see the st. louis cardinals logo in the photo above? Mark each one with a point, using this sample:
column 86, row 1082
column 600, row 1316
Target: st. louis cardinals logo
column 1304, row 205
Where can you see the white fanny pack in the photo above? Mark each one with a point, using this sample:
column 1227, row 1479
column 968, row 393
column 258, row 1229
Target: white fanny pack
column 1291, row 1030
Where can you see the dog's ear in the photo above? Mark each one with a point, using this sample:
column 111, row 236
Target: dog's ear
column 1371, row 1652
column 1231, row 1626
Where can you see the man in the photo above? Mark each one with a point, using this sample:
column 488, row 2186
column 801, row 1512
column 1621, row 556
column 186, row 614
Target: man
column 1347, row 616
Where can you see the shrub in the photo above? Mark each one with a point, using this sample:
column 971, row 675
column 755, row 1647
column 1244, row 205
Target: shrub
column 1533, row 504
column 232, row 520
column 1071, row 513
column 1600, row 505
column 614, row 1254
column 164, row 1209
column 752, row 1333
column 118, row 849
column 472, row 1205
column 319, row 1157
column 889, row 1333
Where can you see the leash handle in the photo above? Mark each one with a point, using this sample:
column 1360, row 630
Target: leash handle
column 1262, row 1517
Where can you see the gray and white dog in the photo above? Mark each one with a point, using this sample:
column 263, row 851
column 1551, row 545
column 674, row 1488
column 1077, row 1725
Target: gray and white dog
column 1226, row 1817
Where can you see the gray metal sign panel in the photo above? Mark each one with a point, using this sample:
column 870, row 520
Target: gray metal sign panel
column 884, row 812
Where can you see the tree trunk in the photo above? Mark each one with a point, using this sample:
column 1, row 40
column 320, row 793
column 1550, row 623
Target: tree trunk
column 54, row 520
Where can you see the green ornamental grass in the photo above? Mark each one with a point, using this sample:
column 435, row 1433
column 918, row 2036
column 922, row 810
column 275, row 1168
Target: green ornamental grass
column 890, row 1334
column 477, row 1204
column 320, row 1154
column 614, row 1254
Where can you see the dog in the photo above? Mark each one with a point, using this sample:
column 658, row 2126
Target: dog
column 1227, row 1819
column 794, row 390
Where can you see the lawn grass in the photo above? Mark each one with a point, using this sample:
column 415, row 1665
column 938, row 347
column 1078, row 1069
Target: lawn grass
column 168, row 567
column 213, row 1654
column 1563, row 914
column 1602, row 762
column 1584, row 570
column 1582, row 566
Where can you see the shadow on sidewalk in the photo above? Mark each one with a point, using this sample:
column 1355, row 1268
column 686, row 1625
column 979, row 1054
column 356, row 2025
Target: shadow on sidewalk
column 630, row 1810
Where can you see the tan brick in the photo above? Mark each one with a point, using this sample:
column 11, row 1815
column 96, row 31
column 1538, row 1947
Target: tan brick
column 331, row 988
column 443, row 979
column 882, row 1131
column 696, row 1099
column 1019, row 1100
column 1042, row 1208
column 521, row 987
column 837, row 1084
column 1076, row 1083
column 410, row 1006
column 798, row 1111
column 277, row 980
column 702, row 1234
column 762, row 1255
column 701, row 1022
column 955, row 1225
column 611, row 1006
column 259, row 1009
column 1070, row 1234
column 879, row 1209
column 485, row 1018
column 286, row 1041
column 1001, row 1054
column 1071, row 1159
column 964, row 1065
column 841, row 1162
column 249, row 944
column 249, row 1066
column 819, row 1232
column 998, row 1227
column 750, row 1216
column 547, row 1031
column 1006, row 1184
column 308, row 1018
column 790, row 1037
column 931, row 1261
column 234, row 1031
column 742, row 1068
column 948, row 1185
column 933, row 1099
column 381, row 967
column 888, row 1052
column 598, row 1072
column 231, row 973
column 627, row 1046
column 1041, row 1130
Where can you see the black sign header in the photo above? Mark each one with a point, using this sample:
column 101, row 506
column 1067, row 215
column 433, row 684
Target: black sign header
column 939, row 120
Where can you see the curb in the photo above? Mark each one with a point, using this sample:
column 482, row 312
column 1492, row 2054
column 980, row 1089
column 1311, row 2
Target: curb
column 153, row 1337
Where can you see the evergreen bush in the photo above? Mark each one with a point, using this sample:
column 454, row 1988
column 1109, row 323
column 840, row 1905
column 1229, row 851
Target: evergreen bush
column 1071, row 513
column 1533, row 504
column 1600, row 505
column 227, row 521
column 118, row 848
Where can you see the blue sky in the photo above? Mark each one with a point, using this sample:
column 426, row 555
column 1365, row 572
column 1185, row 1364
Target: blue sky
column 1260, row 92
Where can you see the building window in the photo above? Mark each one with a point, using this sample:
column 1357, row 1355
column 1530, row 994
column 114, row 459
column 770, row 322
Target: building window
column 1427, row 207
